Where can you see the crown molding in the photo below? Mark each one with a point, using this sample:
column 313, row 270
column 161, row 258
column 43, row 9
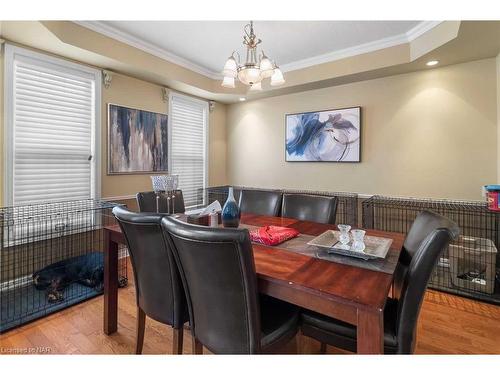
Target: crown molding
column 412, row 34
column 421, row 29
column 112, row 32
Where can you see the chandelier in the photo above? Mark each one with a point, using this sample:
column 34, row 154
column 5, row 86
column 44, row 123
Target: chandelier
column 254, row 70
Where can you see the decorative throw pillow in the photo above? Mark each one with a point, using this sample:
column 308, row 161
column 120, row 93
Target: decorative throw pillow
column 272, row 235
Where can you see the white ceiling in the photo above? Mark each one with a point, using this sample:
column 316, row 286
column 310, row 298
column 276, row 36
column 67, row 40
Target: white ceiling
column 204, row 46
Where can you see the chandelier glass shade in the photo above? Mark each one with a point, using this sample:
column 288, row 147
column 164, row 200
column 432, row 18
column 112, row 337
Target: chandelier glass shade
column 249, row 74
column 228, row 82
column 266, row 67
column 230, row 68
column 277, row 78
column 255, row 69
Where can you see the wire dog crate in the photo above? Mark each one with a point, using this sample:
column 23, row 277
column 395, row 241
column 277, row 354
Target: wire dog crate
column 51, row 257
column 347, row 212
column 470, row 266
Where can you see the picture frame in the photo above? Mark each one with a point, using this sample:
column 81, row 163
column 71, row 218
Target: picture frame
column 143, row 132
column 332, row 135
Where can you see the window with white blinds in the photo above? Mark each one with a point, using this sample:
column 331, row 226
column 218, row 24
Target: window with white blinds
column 188, row 150
column 52, row 109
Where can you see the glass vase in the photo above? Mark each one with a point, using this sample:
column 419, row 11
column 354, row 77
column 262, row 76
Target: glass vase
column 231, row 212
column 344, row 237
column 358, row 237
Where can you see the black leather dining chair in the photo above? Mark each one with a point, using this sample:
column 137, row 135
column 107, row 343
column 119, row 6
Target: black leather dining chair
column 317, row 208
column 146, row 201
column 429, row 235
column 158, row 287
column 227, row 316
column 261, row 202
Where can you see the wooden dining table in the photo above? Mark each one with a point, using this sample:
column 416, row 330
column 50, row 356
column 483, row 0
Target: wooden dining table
column 345, row 289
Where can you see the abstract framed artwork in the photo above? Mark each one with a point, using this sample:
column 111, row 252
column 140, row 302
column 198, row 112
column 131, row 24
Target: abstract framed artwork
column 331, row 135
column 137, row 141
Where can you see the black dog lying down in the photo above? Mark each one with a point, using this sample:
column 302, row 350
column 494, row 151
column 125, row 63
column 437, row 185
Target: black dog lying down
column 87, row 270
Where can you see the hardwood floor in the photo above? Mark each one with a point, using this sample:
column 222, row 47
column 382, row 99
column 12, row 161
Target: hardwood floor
column 448, row 325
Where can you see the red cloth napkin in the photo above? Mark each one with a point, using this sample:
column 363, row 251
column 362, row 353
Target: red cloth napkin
column 272, row 235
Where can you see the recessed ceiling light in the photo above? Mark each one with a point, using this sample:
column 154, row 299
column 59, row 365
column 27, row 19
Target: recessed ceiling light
column 243, row 99
column 432, row 63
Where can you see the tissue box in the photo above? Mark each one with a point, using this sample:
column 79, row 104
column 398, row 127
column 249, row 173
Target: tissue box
column 492, row 194
column 202, row 219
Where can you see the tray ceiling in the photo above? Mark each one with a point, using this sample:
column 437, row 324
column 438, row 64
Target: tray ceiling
column 203, row 46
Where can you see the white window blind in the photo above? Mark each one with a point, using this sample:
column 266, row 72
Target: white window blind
column 188, row 124
column 52, row 127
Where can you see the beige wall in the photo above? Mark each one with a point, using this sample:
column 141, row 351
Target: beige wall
column 427, row 134
column 1, row 125
column 128, row 91
column 217, row 148
column 135, row 93
column 498, row 117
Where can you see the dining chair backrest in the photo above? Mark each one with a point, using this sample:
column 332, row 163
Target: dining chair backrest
column 317, row 208
column 261, row 202
column 159, row 290
column 429, row 235
column 218, row 272
column 146, row 201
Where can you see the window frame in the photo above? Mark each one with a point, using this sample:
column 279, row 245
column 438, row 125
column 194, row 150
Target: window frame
column 10, row 53
column 206, row 133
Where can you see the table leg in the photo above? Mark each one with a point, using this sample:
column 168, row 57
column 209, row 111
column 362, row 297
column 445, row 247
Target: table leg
column 110, row 285
column 370, row 331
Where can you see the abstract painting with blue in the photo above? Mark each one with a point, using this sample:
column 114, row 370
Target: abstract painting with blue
column 138, row 141
column 331, row 135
